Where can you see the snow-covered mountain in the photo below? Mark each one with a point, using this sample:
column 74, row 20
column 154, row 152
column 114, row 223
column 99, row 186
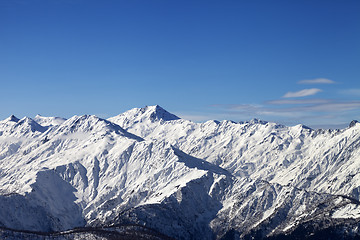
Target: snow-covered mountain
column 148, row 168
column 317, row 160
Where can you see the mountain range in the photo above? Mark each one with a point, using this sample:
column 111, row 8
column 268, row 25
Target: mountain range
column 148, row 174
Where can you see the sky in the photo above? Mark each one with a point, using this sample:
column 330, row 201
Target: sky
column 291, row 62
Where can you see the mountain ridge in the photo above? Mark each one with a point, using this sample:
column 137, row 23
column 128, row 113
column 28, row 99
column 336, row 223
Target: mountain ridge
column 186, row 180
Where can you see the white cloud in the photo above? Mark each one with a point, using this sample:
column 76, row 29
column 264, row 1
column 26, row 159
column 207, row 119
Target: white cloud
column 317, row 81
column 302, row 93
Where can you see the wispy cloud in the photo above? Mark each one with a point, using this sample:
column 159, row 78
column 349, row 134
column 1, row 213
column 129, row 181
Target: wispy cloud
column 292, row 108
column 317, row 106
column 352, row 91
column 255, row 110
column 336, row 106
column 302, row 93
column 317, row 81
column 297, row 101
column 312, row 112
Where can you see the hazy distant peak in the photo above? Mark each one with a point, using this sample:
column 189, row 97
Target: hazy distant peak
column 254, row 121
column 48, row 121
column 353, row 123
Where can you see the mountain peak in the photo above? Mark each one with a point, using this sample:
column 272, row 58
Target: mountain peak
column 27, row 124
column 254, row 121
column 353, row 123
column 13, row 118
column 158, row 113
column 149, row 114
column 26, row 120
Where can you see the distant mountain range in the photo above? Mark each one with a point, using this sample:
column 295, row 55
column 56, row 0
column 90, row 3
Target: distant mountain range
column 147, row 174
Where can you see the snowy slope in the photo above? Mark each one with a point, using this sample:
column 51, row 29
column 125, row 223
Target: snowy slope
column 186, row 180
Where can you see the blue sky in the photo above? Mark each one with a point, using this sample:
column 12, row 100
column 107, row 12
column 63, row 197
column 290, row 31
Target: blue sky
column 285, row 61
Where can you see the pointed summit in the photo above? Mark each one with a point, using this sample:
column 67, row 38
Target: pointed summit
column 353, row 123
column 25, row 127
column 8, row 123
column 148, row 114
column 27, row 124
column 158, row 113
column 12, row 118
